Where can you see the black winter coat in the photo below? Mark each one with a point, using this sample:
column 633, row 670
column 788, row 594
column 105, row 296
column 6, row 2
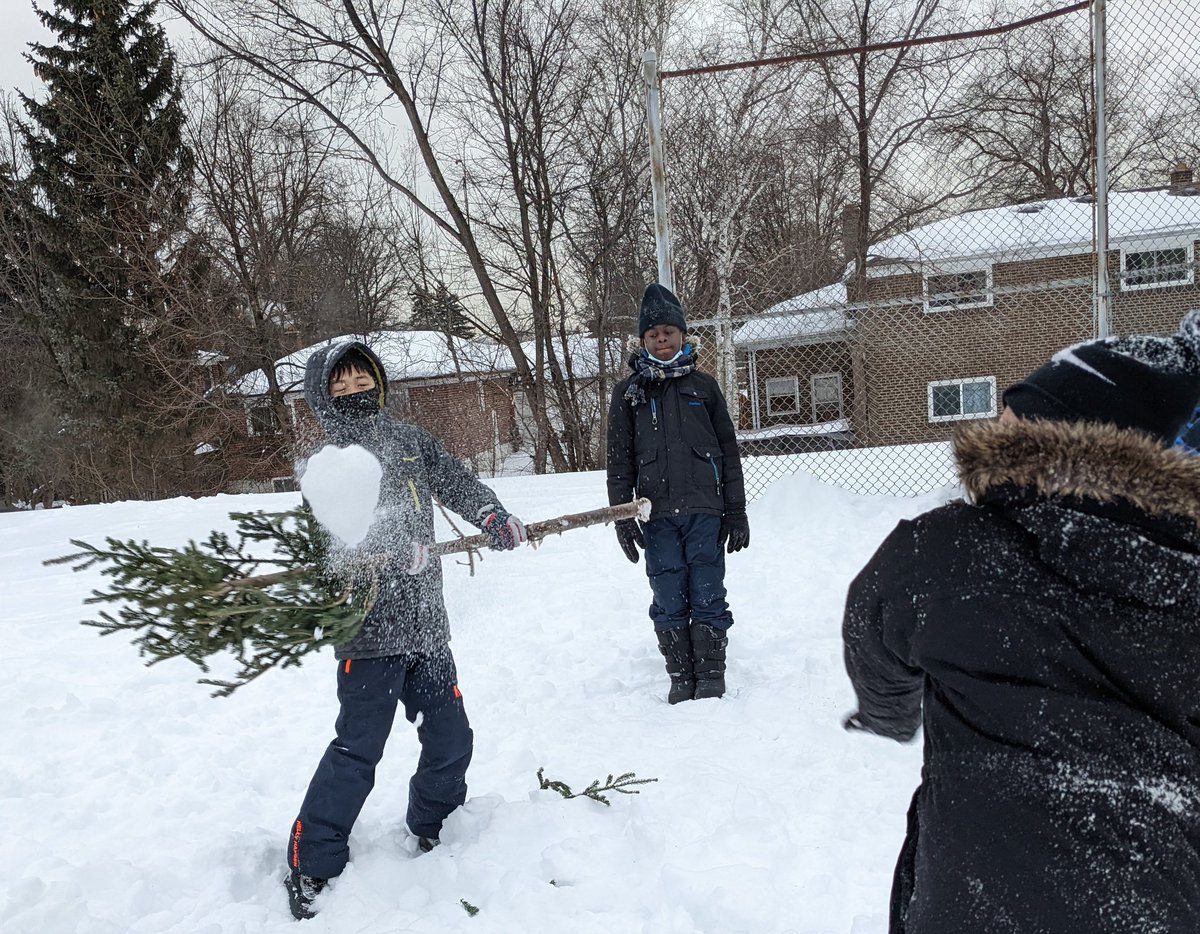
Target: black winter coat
column 678, row 448
column 1049, row 628
column 409, row 615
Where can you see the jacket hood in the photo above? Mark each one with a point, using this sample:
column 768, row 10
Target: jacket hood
column 316, row 381
column 1080, row 460
column 1113, row 511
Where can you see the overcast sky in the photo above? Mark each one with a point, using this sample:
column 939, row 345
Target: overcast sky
column 19, row 26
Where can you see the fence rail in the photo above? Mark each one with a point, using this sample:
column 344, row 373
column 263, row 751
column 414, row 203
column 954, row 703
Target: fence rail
column 878, row 232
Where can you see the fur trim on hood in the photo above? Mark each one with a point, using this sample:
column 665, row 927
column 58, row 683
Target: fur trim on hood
column 1086, row 460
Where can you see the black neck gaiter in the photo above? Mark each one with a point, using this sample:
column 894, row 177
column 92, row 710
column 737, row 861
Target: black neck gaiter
column 357, row 405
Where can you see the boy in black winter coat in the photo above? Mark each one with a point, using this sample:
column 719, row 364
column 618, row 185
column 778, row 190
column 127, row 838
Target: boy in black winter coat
column 1045, row 633
column 401, row 654
column 670, row 439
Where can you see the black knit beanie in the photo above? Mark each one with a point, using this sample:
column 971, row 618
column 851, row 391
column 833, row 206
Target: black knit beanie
column 660, row 306
column 1151, row 384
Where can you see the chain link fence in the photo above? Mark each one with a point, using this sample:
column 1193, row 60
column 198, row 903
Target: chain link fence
column 874, row 245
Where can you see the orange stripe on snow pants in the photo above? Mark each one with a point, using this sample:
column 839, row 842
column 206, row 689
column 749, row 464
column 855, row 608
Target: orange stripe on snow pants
column 457, row 692
column 296, row 845
column 346, row 669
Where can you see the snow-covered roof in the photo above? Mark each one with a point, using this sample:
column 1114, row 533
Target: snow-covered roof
column 1042, row 228
column 818, row 313
column 584, row 352
column 405, row 355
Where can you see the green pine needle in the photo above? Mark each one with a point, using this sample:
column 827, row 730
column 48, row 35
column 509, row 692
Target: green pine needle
column 218, row 597
column 622, row 784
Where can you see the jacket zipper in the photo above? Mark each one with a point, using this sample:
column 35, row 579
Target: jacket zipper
column 716, row 473
column 654, row 412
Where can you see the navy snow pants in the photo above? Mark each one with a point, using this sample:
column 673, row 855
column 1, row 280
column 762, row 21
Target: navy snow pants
column 369, row 690
column 686, row 566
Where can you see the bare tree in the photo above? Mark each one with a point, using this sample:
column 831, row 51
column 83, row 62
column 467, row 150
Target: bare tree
column 886, row 102
column 1026, row 121
column 725, row 140
column 353, row 61
column 303, row 252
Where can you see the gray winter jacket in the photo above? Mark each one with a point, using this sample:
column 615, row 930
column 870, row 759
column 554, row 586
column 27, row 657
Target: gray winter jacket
column 409, row 615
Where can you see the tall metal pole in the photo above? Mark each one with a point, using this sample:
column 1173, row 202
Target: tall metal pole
column 1103, row 294
column 658, row 171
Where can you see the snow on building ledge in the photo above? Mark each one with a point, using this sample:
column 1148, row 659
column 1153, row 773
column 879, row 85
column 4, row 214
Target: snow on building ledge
column 1057, row 227
column 406, row 355
column 809, row 317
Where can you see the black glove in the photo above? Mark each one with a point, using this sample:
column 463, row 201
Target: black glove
column 854, row 724
column 629, row 534
column 736, row 528
column 506, row 531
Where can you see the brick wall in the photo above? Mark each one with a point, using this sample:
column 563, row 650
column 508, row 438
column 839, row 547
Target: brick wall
column 802, row 361
column 902, row 348
column 466, row 416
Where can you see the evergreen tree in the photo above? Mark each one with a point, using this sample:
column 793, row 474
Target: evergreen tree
column 109, row 180
column 439, row 309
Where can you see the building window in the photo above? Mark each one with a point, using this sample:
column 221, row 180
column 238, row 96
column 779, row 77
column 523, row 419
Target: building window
column 953, row 400
column 1158, row 268
column 970, row 288
column 826, row 397
column 783, row 395
column 262, row 420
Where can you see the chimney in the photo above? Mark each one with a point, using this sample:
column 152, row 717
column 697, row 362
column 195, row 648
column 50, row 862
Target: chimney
column 1181, row 179
column 851, row 216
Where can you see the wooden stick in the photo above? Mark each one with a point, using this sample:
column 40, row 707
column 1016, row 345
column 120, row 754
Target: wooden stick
column 639, row 508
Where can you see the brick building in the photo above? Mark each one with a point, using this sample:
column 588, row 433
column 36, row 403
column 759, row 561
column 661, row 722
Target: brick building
column 952, row 312
column 459, row 390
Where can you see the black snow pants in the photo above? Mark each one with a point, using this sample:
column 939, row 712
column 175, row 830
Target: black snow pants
column 369, row 690
column 686, row 567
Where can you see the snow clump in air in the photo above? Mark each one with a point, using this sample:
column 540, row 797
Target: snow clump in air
column 341, row 486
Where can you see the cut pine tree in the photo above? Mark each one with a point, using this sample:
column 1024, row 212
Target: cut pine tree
column 223, row 596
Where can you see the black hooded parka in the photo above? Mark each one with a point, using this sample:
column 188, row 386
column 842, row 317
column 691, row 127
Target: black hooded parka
column 1046, row 632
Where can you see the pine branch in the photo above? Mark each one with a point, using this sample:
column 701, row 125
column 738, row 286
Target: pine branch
column 224, row 596
column 201, row 600
column 622, row 784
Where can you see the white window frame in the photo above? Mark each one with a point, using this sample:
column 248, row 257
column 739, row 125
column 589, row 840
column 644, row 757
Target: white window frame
column 961, row 417
column 1158, row 246
column 958, row 305
column 795, row 393
column 812, row 394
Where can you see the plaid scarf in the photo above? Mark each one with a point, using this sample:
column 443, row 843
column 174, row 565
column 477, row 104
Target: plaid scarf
column 646, row 370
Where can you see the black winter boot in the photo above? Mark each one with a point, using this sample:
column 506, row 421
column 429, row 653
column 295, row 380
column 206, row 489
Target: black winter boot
column 302, row 892
column 708, row 660
column 676, row 647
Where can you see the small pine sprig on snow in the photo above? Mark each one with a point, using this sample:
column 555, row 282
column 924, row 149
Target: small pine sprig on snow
column 621, row 784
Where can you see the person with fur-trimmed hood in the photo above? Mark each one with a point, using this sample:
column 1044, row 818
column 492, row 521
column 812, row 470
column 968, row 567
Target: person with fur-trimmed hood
column 1046, row 633
column 671, row 440
column 402, row 653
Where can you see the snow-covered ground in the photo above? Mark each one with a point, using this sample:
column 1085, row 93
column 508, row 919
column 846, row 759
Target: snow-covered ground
column 133, row 803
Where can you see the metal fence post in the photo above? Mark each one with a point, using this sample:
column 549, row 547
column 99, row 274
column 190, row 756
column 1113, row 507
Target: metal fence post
column 1102, row 298
column 658, row 171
